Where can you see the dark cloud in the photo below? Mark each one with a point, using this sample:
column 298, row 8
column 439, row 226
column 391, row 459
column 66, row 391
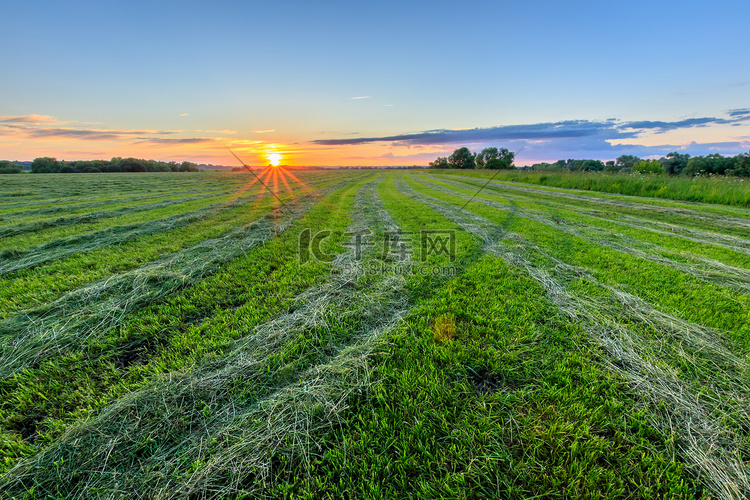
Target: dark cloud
column 557, row 130
column 561, row 140
column 666, row 126
column 570, row 129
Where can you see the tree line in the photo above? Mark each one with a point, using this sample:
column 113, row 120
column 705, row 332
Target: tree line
column 47, row 165
column 673, row 164
column 491, row 158
column 9, row 167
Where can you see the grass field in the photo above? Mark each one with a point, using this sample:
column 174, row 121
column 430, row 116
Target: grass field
column 371, row 334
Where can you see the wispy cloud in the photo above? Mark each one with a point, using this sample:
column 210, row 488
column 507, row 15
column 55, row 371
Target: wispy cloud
column 190, row 140
column 362, row 97
column 739, row 112
column 264, row 131
column 90, row 134
column 184, row 114
column 28, row 119
column 661, row 127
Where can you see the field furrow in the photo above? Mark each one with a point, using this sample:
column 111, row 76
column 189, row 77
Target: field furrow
column 646, row 345
column 193, row 324
column 90, row 217
column 703, row 268
column 369, row 334
column 282, row 399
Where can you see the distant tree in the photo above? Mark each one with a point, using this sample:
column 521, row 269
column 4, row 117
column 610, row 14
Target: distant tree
column 111, row 167
column 695, row 165
column 81, row 166
column 742, row 164
column 187, row 166
column 495, row 159
column 486, row 155
column 674, row 163
column 648, row 167
column 45, row 165
column 462, row 158
column 441, row 162
column 610, row 166
column 627, row 161
column 503, row 160
column 7, row 167
column 132, row 165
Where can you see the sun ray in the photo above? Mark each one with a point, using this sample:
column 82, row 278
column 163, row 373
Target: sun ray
column 282, row 174
column 305, row 188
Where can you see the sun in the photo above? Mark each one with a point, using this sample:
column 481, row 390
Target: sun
column 274, row 159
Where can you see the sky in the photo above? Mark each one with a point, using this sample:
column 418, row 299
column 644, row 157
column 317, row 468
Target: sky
column 383, row 83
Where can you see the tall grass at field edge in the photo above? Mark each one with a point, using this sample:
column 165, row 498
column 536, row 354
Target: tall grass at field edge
column 711, row 189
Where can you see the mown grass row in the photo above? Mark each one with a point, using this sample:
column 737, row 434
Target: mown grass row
column 668, row 288
column 91, row 311
column 712, row 189
column 685, row 217
column 9, row 216
column 679, row 244
column 88, row 217
column 30, row 191
column 507, row 398
column 32, row 287
column 601, row 231
column 54, row 233
column 673, row 362
column 13, row 260
column 183, row 330
column 485, row 389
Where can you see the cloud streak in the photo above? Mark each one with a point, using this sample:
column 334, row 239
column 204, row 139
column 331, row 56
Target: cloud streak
column 190, row 140
column 556, row 130
column 570, row 130
column 28, row 119
column 89, row 134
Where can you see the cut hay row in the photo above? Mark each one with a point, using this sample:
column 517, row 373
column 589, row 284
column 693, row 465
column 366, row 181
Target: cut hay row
column 709, row 239
column 703, row 409
column 689, row 229
column 57, row 208
column 138, row 188
column 48, row 281
column 705, row 269
column 91, row 311
column 38, row 225
column 183, row 330
column 724, row 216
column 216, row 430
column 116, row 235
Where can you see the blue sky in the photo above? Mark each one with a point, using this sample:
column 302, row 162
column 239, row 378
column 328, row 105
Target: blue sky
column 180, row 80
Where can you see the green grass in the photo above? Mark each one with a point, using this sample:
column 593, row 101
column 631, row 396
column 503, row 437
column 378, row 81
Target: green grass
column 579, row 345
column 185, row 329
